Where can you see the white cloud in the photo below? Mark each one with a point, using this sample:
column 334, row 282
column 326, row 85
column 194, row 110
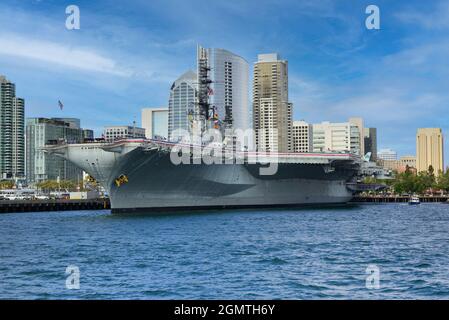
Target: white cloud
column 430, row 57
column 59, row 54
column 385, row 106
column 435, row 19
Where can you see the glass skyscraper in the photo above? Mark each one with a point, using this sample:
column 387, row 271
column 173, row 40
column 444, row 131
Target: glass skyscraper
column 182, row 99
column 41, row 166
column 229, row 90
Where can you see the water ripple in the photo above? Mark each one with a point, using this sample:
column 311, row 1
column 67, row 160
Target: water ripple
column 292, row 254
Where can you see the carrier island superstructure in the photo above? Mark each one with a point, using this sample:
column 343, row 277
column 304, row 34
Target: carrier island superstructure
column 144, row 175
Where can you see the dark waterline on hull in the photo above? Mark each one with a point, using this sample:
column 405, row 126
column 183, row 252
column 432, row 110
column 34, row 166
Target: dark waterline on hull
column 229, row 208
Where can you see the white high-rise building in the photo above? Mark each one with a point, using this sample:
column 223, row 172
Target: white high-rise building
column 359, row 123
column 336, row 137
column 182, row 100
column 114, row 133
column 155, row 122
column 230, row 86
column 302, row 137
column 387, row 154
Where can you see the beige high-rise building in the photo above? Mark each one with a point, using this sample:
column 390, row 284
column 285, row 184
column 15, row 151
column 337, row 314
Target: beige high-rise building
column 401, row 165
column 409, row 161
column 272, row 113
column 429, row 149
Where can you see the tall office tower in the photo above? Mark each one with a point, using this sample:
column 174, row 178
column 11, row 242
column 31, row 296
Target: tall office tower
column 12, row 139
column 155, row 122
column 370, row 139
column 302, row 137
column 272, row 119
column 387, row 154
column 230, row 80
column 359, row 123
column 429, row 149
column 41, row 166
column 182, row 101
column 336, row 137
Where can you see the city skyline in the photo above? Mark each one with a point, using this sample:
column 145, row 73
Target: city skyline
column 349, row 73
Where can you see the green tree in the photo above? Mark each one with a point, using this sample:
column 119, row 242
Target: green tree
column 370, row 180
column 408, row 182
column 426, row 180
column 68, row 185
column 6, row 184
column 53, row 185
column 48, row 185
column 443, row 181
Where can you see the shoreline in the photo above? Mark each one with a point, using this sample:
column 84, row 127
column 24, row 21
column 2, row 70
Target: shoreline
column 18, row 206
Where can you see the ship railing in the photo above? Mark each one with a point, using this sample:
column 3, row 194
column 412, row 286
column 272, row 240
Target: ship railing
column 152, row 144
column 291, row 154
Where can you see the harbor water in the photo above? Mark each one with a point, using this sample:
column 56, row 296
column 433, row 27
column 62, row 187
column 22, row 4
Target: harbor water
column 259, row 254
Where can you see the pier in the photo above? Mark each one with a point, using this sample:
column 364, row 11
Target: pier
column 8, row 206
column 397, row 199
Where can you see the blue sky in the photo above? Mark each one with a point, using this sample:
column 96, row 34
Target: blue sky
column 127, row 54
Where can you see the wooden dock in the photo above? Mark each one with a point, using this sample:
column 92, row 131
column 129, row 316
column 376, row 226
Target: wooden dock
column 8, row 206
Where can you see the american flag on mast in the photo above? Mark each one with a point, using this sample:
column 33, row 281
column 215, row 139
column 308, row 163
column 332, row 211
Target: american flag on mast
column 61, row 106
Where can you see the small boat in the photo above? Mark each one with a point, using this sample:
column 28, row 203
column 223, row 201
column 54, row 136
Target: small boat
column 414, row 200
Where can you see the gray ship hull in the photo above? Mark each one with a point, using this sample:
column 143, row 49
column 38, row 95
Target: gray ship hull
column 156, row 184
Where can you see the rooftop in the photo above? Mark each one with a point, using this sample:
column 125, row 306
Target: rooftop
column 268, row 57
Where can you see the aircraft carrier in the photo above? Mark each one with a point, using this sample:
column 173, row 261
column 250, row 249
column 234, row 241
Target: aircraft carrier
column 139, row 175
